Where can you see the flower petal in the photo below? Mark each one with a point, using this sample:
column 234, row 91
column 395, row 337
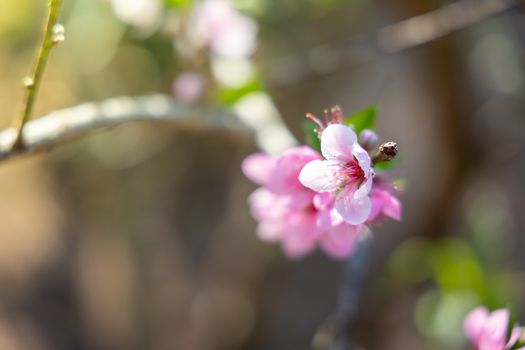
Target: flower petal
column 319, row 175
column 337, row 142
column 364, row 189
column 323, row 201
column 336, row 217
column 262, row 203
column 393, row 208
column 341, row 241
column 384, row 203
column 301, row 234
column 298, row 200
column 363, row 158
column 474, row 322
column 258, row 167
column 269, row 230
column 515, row 335
column 324, row 220
column 303, row 223
column 355, row 211
column 284, row 178
column 296, row 247
column 494, row 330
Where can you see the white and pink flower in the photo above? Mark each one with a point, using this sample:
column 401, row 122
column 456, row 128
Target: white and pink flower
column 188, row 86
column 488, row 330
column 385, row 203
column 289, row 213
column 346, row 172
column 309, row 200
column 221, row 27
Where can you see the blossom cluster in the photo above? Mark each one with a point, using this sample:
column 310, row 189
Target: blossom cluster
column 325, row 199
column 493, row 330
column 222, row 28
column 204, row 32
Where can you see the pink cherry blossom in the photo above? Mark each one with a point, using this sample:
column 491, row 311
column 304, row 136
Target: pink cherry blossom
column 488, row 330
column 341, row 240
column 346, row 172
column 384, row 202
column 188, row 86
column 291, row 214
column 224, row 29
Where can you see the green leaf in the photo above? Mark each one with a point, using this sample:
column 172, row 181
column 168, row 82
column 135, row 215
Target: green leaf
column 458, row 268
column 310, row 130
column 178, row 3
column 364, row 119
column 512, row 321
column 387, row 165
column 518, row 345
column 232, row 95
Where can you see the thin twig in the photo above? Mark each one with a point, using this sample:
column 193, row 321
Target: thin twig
column 32, row 83
column 62, row 126
column 432, row 25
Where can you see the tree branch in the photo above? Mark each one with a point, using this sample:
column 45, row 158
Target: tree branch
column 67, row 124
column 432, row 25
column 350, row 294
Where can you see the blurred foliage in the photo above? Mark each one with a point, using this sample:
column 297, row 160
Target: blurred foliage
column 460, row 280
column 364, row 119
column 181, row 4
column 312, row 135
column 230, row 96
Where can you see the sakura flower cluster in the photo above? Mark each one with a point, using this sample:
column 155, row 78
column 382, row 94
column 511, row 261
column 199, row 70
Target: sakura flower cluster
column 493, row 331
column 309, row 199
column 205, row 34
column 218, row 25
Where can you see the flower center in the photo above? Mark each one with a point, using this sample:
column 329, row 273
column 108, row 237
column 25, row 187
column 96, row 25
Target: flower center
column 350, row 174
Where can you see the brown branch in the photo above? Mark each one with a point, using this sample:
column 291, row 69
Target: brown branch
column 392, row 39
column 432, row 25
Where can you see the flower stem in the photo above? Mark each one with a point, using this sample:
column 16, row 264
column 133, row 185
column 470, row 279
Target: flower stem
column 32, row 83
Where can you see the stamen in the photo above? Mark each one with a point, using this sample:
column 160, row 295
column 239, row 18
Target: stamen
column 315, row 119
column 349, row 174
column 337, row 115
column 318, row 122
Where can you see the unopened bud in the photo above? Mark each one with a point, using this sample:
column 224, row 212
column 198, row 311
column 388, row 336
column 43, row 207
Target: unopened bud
column 368, row 139
column 387, row 152
column 389, row 149
column 28, row 82
column 59, row 34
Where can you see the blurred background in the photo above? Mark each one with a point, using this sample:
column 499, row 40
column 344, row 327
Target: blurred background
column 139, row 237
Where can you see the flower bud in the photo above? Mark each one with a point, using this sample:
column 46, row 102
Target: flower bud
column 368, row 139
column 59, row 34
column 387, row 152
column 389, row 149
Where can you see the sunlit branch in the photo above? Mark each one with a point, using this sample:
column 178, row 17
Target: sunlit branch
column 64, row 125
